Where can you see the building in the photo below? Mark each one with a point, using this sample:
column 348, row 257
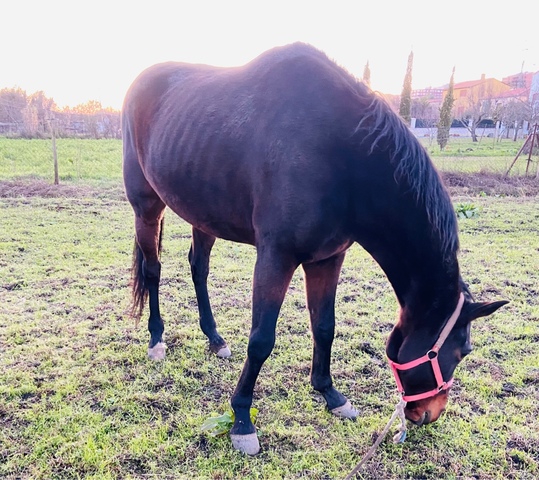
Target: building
column 519, row 80
column 534, row 94
column 434, row 96
column 468, row 94
column 514, row 94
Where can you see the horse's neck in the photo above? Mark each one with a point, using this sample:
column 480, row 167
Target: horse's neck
column 409, row 227
column 426, row 282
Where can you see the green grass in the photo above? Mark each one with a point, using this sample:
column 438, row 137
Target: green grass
column 78, row 159
column 79, row 398
column 487, row 155
column 485, row 147
column 100, row 160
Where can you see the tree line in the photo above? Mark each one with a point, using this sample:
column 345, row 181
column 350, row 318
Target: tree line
column 509, row 115
column 36, row 116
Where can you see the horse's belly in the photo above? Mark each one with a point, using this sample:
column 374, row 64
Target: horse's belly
column 215, row 216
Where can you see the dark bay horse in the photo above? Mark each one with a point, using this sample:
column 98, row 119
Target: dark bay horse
column 291, row 154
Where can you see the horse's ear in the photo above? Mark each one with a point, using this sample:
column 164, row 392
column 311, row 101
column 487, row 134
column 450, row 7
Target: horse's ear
column 483, row 309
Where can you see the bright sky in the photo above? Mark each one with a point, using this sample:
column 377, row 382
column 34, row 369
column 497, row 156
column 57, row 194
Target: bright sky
column 78, row 51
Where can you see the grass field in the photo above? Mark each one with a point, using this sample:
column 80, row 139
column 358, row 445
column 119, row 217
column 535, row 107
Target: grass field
column 100, row 160
column 79, row 398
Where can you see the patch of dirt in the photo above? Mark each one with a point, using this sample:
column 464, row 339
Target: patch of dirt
column 490, row 184
column 457, row 184
column 41, row 188
column 529, row 445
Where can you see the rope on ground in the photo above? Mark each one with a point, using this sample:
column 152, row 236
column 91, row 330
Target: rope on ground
column 398, row 438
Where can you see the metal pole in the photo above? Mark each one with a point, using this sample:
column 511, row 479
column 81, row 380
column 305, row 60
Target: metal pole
column 518, row 155
column 534, row 134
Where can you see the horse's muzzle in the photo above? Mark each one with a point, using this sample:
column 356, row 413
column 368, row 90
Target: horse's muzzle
column 428, row 410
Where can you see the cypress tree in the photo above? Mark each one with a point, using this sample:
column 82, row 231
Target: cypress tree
column 444, row 125
column 405, row 108
column 367, row 75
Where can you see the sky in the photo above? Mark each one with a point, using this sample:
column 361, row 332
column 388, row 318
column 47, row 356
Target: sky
column 76, row 51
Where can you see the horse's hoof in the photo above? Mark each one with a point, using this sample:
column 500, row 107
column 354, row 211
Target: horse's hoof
column 224, row 352
column 157, row 352
column 345, row 411
column 246, row 443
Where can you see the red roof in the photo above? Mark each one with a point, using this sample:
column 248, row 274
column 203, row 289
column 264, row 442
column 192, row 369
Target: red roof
column 514, row 93
column 468, row 84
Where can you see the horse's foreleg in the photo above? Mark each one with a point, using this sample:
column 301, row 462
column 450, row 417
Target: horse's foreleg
column 199, row 259
column 321, row 284
column 148, row 238
column 271, row 279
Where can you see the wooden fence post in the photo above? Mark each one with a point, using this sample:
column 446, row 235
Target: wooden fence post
column 52, row 126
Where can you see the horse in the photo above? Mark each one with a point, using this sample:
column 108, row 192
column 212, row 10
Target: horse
column 292, row 154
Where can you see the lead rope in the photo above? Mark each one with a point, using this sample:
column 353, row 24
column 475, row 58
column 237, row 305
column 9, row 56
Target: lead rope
column 399, row 410
column 398, row 438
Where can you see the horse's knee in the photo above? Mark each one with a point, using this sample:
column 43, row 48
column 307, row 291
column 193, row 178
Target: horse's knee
column 151, row 270
column 323, row 334
column 260, row 346
column 199, row 272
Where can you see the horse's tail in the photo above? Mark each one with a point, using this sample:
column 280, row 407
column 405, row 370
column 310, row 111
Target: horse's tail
column 138, row 285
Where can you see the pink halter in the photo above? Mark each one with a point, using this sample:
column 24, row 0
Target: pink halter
column 432, row 357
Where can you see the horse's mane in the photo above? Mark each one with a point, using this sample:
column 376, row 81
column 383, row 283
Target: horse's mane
column 382, row 129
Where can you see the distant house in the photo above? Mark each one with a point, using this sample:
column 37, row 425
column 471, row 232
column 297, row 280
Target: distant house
column 519, row 80
column 520, row 94
column 434, row 96
column 10, row 128
column 467, row 94
column 534, row 93
column 521, row 87
column 520, row 84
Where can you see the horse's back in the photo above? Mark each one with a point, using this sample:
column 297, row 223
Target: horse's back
column 225, row 146
column 286, row 87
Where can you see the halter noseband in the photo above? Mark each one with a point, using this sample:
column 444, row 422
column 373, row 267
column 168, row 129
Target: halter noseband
column 432, row 357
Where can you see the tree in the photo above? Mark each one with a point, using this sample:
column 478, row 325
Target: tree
column 480, row 106
column 513, row 113
column 367, row 75
column 32, row 116
column 12, row 103
column 90, row 110
column 95, row 120
column 37, row 113
column 406, row 95
column 474, row 115
column 444, row 125
column 426, row 113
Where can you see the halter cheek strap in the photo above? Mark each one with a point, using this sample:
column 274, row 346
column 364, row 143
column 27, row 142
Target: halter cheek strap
column 430, row 357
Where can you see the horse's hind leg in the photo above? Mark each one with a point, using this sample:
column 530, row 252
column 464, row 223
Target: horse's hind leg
column 149, row 210
column 199, row 259
column 321, row 284
column 148, row 227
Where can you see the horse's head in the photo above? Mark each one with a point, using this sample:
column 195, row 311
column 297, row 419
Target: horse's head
column 423, row 362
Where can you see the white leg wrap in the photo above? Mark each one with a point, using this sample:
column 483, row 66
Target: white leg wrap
column 224, row 352
column 246, row 443
column 345, row 411
column 157, row 352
